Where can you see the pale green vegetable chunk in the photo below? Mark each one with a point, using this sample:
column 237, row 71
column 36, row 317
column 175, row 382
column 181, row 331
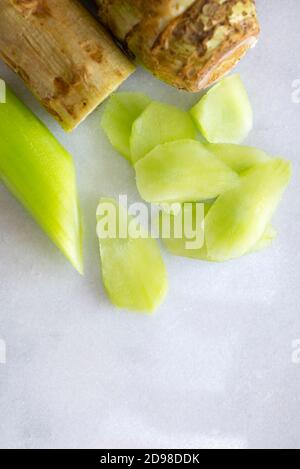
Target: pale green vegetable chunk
column 40, row 173
column 182, row 171
column 224, row 114
column 238, row 219
column 133, row 270
column 185, row 246
column 239, row 158
column 121, row 111
column 158, row 124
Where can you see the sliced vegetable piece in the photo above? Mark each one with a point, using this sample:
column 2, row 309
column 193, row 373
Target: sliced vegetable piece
column 133, row 270
column 239, row 158
column 41, row 175
column 181, row 246
column 191, row 223
column 224, row 114
column 121, row 111
column 238, row 219
column 182, row 171
column 159, row 123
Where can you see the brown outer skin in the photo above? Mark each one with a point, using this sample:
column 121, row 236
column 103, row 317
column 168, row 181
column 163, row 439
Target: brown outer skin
column 189, row 47
column 64, row 56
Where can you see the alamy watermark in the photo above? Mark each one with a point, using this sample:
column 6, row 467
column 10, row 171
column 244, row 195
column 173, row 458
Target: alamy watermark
column 2, row 91
column 296, row 91
column 2, row 352
column 167, row 221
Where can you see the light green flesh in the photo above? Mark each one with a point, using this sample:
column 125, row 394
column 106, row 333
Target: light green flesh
column 238, row 219
column 238, row 158
column 133, row 270
column 179, row 246
column 158, row 124
column 224, row 114
column 121, row 111
column 182, row 171
column 40, row 173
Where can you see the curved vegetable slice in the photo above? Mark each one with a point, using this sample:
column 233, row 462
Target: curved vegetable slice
column 159, row 123
column 238, row 158
column 182, row 171
column 121, row 111
column 224, row 114
column 41, row 175
column 133, row 270
column 239, row 217
column 181, row 246
column 177, row 247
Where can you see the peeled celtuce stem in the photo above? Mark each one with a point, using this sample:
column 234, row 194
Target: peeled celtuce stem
column 40, row 173
column 187, row 43
column 64, row 56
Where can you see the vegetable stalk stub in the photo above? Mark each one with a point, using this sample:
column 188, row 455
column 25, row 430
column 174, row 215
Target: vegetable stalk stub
column 187, row 43
column 63, row 54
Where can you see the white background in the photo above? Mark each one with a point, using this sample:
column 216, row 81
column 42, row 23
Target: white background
column 213, row 367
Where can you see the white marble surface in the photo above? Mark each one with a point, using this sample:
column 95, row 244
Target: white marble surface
column 213, row 368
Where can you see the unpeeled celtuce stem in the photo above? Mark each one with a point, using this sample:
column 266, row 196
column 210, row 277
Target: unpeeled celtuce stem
column 65, row 57
column 187, row 43
column 40, row 174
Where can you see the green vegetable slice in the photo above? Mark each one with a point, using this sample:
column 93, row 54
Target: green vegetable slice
column 189, row 219
column 121, row 111
column 238, row 158
column 182, row 171
column 158, row 124
column 40, row 173
column 180, row 246
column 238, row 219
column 133, row 270
column 224, row 114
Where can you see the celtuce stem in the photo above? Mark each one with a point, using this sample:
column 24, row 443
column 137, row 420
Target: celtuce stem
column 189, row 43
column 40, row 174
column 63, row 54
